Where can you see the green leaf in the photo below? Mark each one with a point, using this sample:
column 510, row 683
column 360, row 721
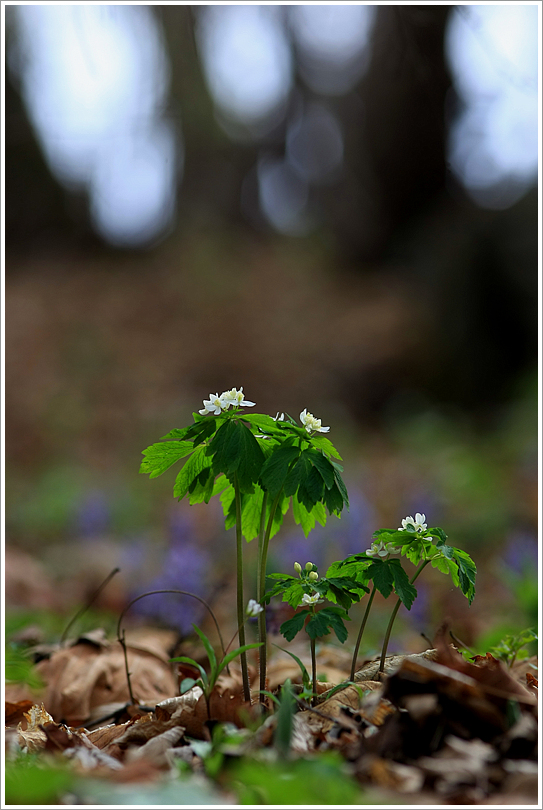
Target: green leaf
column 203, row 429
column 305, row 674
column 326, row 445
column 345, row 590
column 467, row 572
column 302, row 516
column 176, row 433
column 193, row 467
column 319, row 624
column 187, row 684
column 251, row 512
column 323, row 465
column 314, row 484
column 261, row 420
column 208, row 648
column 160, row 457
column 183, row 659
column 220, row 484
column 227, row 500
column 333, row 500
column 293, row 593
column 437, row 532
column 284, row 720
column 235, row 450
column 276, row 467
column 342, row 488
column 406, row 592
column 297, row 474
column 382, row 576
column 231, row 655
column 292, row 627
column 201, row 487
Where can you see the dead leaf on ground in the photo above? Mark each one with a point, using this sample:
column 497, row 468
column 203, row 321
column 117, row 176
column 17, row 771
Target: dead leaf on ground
column 14, row 712
column 85, row 676
column 32, row 738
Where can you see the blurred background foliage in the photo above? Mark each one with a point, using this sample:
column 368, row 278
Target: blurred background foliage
column 333, row 206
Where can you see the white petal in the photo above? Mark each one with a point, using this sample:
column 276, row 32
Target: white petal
column 324, row 429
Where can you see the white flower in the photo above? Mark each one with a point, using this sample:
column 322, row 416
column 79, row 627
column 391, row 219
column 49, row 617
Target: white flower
column 236, row 398
column 312, row 599
column 279, row 417
column 253, row 608
column 380, row 549
column 214, row 404
column 418, row 523
column 311, row 423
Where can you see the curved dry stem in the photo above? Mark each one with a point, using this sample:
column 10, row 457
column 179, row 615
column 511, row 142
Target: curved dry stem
column 121, row 639
column 84, row 609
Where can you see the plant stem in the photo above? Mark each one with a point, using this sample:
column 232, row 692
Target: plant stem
column 361, row 632
column 240, row 600
column 259, row 591
column 314, row 671
column 261, row 585
column 393, row 616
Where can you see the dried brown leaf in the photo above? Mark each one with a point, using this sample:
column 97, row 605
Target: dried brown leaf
column 33, row 738
column 157, row 749
column 14, row 712
column 85, row 676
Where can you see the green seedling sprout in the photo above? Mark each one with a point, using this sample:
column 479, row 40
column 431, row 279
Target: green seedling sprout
column 208, row 680
column 510, row 648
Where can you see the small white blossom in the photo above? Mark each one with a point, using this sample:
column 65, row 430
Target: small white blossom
column 279, row 417
column 312, row 599
column 380, row 549
column 214, row 404
column 311, row 423
column 418, row 523
column 253, row 608
column 236, row 398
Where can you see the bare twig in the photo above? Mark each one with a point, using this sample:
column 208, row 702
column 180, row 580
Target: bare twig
column 121, row 639
column 84, row 609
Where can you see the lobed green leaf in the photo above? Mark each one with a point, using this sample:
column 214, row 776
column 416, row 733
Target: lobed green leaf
column 292, row 627
column 161, row 456
column 276, row 467
column 193, row 467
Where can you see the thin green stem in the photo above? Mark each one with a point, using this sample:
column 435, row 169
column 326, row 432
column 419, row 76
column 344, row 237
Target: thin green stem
column 361, row 632
column 263, row 651
column 314, row 671
column 240, row 599
column 393, row 617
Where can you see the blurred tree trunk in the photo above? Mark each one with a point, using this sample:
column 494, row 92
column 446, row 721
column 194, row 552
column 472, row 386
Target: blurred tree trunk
column 214, row 167
column 395, row 132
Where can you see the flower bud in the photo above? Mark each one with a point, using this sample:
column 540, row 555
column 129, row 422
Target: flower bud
column 309, row 566
column 253, row 608
column 298, row 568
column 313, row 576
